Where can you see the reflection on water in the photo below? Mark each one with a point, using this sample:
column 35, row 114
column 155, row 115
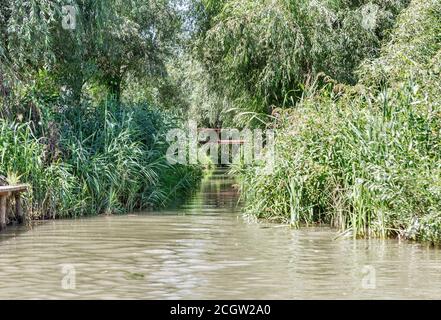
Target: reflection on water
column 205, row 250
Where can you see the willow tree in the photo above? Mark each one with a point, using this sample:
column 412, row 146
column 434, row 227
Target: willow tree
column 261, row 53
column 83, row 40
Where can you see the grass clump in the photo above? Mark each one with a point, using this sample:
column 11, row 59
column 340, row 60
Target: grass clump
column 94, row 159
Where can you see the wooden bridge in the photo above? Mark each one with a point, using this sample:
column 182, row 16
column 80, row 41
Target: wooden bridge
column 218, row 132
column 5, row 192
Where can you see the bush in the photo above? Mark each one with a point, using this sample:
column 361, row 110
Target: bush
column 107, row 159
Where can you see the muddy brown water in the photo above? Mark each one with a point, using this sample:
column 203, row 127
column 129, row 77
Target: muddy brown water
column 205, row 249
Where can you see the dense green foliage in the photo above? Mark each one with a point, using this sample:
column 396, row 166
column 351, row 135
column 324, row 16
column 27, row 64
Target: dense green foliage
column 365, row 158
column 352, row 88
column 79, row 119
column 98, row 159
column 261, row 54
column 109, row 40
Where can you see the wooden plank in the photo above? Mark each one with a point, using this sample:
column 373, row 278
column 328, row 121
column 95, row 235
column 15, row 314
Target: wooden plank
column 210, row 129
column 231, row 141
column 4, row 190
column 18, row 208
column 3, row 211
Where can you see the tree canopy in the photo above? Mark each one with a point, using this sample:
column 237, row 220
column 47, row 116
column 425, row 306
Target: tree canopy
column 261, row 53
column 88, row 40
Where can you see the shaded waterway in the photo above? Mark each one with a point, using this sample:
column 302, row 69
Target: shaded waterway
column 205, row 249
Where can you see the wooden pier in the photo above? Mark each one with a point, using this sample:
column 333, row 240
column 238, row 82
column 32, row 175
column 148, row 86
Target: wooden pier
column 218, row 135
column 5, row 192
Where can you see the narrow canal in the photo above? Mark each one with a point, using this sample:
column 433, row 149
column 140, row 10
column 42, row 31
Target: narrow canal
column 207, row 250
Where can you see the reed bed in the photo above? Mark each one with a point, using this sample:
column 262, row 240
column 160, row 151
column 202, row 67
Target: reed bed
column 106, row 159
column 365, row 158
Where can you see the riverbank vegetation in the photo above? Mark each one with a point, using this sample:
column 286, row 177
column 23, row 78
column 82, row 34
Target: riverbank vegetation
column 350, row 87
column 85, row 105
column 366, row 157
